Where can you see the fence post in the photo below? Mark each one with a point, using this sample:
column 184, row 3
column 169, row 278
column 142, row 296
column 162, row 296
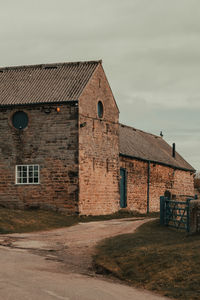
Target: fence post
column 188, row 215
column 162, row 210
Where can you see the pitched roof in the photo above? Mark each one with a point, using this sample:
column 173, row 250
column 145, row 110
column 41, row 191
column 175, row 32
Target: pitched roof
column 44, row 83
column 142, row 145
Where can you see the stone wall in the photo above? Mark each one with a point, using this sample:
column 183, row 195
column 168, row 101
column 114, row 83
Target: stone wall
column 51, row 141
column 98, row 149
column 194, row 216
column 162, row 178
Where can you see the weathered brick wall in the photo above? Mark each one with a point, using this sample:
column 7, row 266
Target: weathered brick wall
column 136, row 172
column 50, row 140
column 162, row 178
column 98, row 149
column 183, row 183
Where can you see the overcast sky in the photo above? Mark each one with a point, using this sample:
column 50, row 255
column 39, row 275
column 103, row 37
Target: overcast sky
column 150, row 51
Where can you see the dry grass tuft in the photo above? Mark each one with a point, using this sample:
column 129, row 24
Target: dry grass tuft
column 154, row 258
column 32, row 220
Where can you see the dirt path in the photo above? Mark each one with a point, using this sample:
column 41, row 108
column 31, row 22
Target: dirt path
column 68, row 256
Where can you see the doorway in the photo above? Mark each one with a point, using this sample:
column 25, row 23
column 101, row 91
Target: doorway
column 123, row 202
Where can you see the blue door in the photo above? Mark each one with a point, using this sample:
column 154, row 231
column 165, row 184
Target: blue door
column 123, row 188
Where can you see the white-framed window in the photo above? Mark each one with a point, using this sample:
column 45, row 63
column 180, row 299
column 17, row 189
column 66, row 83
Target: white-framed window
column 27, row 174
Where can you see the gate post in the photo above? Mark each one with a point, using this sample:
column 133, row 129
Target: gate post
column 188, row 214
column 162, row 210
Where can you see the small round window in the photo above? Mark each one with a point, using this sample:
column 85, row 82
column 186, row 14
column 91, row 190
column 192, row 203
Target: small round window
column 20, row 120
column 100, row 109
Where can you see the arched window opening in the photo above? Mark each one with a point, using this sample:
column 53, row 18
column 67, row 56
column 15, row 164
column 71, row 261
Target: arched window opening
column 100, row 109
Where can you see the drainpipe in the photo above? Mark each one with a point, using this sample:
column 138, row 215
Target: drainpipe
column 148, row 184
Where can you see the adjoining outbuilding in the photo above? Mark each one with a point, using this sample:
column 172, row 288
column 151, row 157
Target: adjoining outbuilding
column 152, row 168
column 62, row 146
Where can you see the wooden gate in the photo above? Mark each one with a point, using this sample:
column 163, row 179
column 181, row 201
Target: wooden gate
column 175, row 214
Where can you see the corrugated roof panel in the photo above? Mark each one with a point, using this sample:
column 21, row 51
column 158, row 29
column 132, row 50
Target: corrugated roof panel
column 44, row 83
column 143, row 145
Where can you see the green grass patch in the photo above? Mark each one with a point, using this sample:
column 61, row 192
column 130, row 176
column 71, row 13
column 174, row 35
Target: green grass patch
column 13, row 220
column 155, row 258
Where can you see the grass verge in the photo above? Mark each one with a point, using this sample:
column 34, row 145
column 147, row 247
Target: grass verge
column 118, row 215
column 12, row 221
column 154, row 258
column 32, row 220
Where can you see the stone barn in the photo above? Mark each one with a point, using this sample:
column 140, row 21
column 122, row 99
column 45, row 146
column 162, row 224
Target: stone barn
column 62, row 147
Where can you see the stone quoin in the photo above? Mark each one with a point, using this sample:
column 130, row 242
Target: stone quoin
column 62, row 146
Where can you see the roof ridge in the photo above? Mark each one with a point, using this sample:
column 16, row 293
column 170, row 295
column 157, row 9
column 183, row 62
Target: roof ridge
column 42, row 66
column 135, row 129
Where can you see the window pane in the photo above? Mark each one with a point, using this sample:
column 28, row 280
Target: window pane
column 36, row 180
column 30, row 173
column 24, row 173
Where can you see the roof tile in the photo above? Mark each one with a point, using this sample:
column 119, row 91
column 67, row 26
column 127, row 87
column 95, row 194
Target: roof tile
column 139, row 144
column 44, row 83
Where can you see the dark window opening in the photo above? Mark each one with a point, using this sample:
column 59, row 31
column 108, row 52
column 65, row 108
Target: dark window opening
column 100, row 109
column 20, row 120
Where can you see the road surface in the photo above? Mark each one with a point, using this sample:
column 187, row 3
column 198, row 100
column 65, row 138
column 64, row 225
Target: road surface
column 57, row 264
